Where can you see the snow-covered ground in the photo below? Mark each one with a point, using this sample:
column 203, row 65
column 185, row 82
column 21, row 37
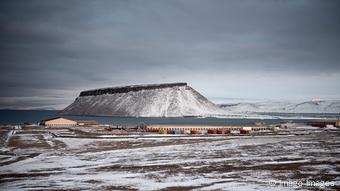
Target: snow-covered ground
column 183, row 100
column 247, row 163
column 313, row 106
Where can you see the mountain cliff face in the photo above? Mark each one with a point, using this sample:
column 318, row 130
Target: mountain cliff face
column 154, row 100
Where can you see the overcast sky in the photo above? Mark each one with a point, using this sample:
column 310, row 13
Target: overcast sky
column 265, row 49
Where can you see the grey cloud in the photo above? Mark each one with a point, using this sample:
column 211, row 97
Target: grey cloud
column 74, row 45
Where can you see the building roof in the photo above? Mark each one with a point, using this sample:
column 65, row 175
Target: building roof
column 53, row 118
column 85, row 122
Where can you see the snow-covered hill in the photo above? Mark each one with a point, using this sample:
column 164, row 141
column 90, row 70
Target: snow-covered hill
column 314, row 106
column 155, row 100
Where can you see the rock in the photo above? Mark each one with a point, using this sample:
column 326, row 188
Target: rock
column 154, row 100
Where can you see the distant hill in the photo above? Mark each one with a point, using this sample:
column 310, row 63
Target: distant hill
column 317, row 106
column 153, row 100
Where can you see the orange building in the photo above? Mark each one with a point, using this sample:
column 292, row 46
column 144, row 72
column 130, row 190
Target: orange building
column 58, row 122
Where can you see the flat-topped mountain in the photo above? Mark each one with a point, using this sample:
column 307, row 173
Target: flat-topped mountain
column 152, row 100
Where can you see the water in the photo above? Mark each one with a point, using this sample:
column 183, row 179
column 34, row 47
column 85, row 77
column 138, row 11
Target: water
column 34, row 116
column 23, row 116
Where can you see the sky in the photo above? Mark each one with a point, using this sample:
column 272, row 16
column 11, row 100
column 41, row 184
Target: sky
column 234, row 49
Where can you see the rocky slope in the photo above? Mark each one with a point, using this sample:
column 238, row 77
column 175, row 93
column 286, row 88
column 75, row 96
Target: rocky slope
column 154, row 100
column 314, row 106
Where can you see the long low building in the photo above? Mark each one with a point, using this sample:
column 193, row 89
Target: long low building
column 58, row 121
column 324, row 123
column 154, row 128
column 63, row 122
column 86, row 122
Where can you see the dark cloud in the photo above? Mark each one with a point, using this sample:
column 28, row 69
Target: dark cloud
column 222, row 48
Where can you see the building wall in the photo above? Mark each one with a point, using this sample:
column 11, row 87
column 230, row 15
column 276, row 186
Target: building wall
column 86, row 122
column 60, row 122
column 337, row 123
column 205, row 128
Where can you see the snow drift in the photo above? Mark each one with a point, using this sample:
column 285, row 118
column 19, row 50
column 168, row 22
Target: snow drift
column 153, row 100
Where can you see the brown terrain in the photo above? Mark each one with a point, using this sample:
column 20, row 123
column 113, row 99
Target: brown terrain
column 31, row 158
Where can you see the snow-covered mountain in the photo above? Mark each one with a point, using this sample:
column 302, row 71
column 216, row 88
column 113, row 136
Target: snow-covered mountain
column 153, row 100
column 314, row 106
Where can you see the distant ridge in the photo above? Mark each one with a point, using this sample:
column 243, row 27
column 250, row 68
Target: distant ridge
column 125, row 89
column 313, row 106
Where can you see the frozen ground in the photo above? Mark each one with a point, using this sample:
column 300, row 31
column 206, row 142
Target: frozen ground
column 31, row 159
